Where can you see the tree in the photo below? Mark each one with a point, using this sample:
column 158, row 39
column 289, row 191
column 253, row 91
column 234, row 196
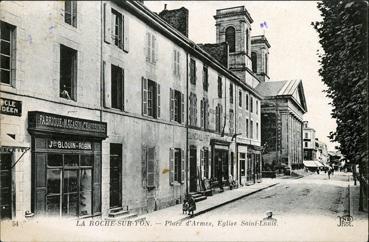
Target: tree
column 343, row 34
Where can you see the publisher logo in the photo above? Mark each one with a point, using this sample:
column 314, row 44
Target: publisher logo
column 345, row 221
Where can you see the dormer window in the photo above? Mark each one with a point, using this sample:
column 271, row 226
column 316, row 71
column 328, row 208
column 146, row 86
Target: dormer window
column 230, row 38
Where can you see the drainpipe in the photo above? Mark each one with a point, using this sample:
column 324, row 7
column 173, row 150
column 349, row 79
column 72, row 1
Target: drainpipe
column 187, row 181
column 101, row 59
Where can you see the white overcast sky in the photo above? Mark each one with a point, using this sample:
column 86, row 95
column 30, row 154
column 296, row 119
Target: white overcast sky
column 294, row 44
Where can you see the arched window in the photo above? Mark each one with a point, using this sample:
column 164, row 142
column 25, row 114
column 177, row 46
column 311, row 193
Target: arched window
column 254, row 62
column 230, row 38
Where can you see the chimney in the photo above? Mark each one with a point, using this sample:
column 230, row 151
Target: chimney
column 177, row 18
column 219, row 51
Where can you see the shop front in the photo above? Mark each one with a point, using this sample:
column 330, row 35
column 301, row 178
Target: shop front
column 220, row 162
column 66, row 165
column 253, row 174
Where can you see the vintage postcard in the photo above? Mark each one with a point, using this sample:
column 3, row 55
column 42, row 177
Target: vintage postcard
column 183, row 120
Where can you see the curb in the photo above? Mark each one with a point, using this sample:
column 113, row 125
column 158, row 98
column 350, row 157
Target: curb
column 224, row 203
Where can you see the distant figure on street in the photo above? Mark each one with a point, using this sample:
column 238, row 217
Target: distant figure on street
column 332, row 171
column 269, row 216
column 317, row 170
column 329, row 174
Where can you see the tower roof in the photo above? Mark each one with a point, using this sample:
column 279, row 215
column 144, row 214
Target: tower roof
column 260, row 39
column 233, row 11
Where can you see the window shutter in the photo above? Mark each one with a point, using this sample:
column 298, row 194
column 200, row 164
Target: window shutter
column 97, row 180
column 13, row 60
column 125, row 33
column 158, row 100
column 148, row 47
column 201, row 162
column 156, row 49
column 40, row 183
column 144, row 96
column 207, row 114
column 107, row 85
column 171, row 104
column 195, row 110
column 150, row 167
column 171, row 166
column 107, row 23
column 182, row 108
column 174, row 62
column 122, row 88
column 143, row 165
column 202, row 114
column 182, row 166
column 153, row 54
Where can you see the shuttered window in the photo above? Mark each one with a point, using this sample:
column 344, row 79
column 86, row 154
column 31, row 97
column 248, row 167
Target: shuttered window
column 193, row 71
column 176, row 63
column 231, row 121
column 193, row 109
column 7, row 53
column 176, row 166
column 240, row 98
column 151, row 48
column 150, row 167
column 117, row 87
column 176, row 104
column 231, row 93
column 150, row 98
column 205, row 77
column 220, row 87
column 247, row 101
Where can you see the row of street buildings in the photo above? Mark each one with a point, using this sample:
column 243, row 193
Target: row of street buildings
column 108, row 107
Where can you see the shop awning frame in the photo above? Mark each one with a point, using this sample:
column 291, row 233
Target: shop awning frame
column 9, row 144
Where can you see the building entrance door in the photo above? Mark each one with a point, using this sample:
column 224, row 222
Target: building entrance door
column 5, row 186
column 193, row 169
column 115, row 175
column 221, row 169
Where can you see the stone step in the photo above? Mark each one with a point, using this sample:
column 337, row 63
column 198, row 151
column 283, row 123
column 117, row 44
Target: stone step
column 117, row 213
column 123, row 216
column 198, row 199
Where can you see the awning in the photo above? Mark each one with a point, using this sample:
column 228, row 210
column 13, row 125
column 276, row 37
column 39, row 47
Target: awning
column 309, row 163
column 9, row 144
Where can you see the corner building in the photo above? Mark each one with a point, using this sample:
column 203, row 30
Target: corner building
column 109, row 108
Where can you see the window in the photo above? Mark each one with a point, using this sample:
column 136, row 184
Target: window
column 7, row 53
column 257, row 107
column 150, row 98
column 251, row 129
column 193, row 71
column 306, row 144
column 176, row 106
column 176, row 165
column 151, row 48
column 251, row 104
column 247, row 41
column 204, row 113
column 117, row 87
column 266, row 64
column 254, row 62
column 230, row 38
column 240, row 98
column 68, row 72
column 220, row 88
column 176, row 69
column 117, row 29
column 149, row 174
column 231, row 121
column 247, row 101
column 231, row 93
column 193, row 109
column 206, row 162
column 257, row 130
column 205, row 77
column 247, row 127
column 306, row 136
column 70, row 15
column 218, row 118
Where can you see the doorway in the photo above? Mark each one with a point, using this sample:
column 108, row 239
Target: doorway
column 193, row 169
column 5, row 186
column 115, row 175
column 221, row 168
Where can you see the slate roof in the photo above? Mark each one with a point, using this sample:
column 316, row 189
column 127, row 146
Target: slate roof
column 283, row 88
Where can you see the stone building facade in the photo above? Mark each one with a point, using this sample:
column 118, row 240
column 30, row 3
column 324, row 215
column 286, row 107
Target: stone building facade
column 309, row 142
column 109, row 108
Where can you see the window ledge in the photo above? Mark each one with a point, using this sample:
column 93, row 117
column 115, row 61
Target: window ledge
column 176, row 184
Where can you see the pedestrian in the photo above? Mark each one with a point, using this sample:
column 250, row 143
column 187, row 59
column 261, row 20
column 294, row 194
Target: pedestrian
column 332, row 171
column 329, row 174
column 317, row 171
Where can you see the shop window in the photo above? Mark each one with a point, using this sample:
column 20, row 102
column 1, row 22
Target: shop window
column 117, row 28
column 176, row 106
column 7, row 53
column 243, row 163
column 230, row 38
column 150, row 98
column 70, row 12
column 68, row 72
column 117, row 87
column 69, row 184
column 205, row 76
column 193, row 71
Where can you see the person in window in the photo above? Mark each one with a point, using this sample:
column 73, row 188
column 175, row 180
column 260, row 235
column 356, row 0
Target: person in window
column 64, row 93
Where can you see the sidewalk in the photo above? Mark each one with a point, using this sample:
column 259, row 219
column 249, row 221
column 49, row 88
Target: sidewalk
column 174, row 213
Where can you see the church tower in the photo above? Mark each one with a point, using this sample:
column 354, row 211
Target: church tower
column 233, row 25
column 259, row 57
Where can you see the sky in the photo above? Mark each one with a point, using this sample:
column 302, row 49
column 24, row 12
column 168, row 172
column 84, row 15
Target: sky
column 294, row 45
